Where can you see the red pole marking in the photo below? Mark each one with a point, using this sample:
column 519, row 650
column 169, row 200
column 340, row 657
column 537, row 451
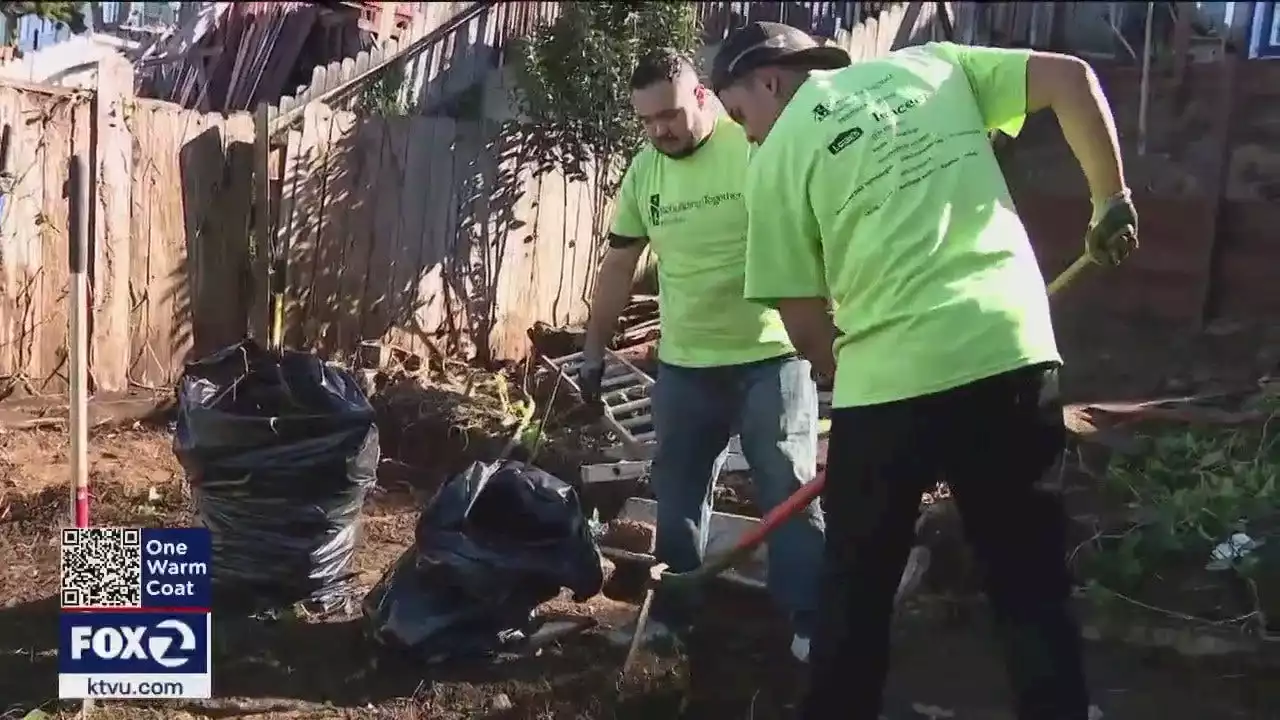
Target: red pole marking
column 82, row 507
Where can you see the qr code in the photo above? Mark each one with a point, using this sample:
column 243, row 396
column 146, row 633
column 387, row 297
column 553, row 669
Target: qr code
column 101, row 567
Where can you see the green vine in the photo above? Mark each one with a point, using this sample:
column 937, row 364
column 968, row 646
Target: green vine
column 571, row 83
column 1190, row 493
column 384, row 96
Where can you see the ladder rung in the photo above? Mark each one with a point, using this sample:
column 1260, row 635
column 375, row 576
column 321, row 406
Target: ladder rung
column 622, row 381
column 566, row 360
column 618, row 395
column 611, row 370
column 637, row 421
column 632, row 406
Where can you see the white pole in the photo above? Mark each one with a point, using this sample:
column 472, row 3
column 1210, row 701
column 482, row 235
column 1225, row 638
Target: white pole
column 79, row 340
column 78, row 191
column 1145, row 87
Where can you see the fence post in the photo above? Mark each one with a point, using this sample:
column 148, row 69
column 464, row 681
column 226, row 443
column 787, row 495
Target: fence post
column 260, row 307
column 111, row 179
column 1223, row 129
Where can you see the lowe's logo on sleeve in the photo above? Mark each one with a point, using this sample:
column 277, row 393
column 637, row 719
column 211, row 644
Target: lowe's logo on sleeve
column 134, row 643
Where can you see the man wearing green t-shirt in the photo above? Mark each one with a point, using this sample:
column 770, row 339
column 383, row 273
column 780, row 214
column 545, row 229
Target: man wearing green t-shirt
column 725, row 364
column 875, row 189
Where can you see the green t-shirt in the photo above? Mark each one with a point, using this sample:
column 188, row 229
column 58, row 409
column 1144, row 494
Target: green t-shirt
column 691, row 210
column 878, row 188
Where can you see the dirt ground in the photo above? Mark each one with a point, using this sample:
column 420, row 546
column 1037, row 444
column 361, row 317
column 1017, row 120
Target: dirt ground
column 737, row 666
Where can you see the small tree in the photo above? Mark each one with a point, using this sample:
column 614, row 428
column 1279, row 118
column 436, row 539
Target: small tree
column 571, row 83
column 70, row 14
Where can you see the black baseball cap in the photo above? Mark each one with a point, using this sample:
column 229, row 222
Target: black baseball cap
column 761, row 44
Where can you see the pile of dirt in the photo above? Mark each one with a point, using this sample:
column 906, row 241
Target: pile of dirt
column 630, row 535
column 432, row 425
column 435, row 423
column 734, row 493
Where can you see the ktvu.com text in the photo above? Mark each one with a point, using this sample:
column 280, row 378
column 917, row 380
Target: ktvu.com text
column 132, row 686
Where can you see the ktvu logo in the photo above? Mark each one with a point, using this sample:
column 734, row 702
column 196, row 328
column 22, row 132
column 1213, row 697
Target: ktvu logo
column 135, row 642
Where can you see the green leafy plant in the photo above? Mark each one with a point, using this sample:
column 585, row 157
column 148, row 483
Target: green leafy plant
column 571, row 83
column 1188, row 494
column 70, row 14
column 383, row 96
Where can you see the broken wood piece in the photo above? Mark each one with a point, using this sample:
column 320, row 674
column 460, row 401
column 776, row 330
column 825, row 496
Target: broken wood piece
column 1178, row 410
column 48, row 422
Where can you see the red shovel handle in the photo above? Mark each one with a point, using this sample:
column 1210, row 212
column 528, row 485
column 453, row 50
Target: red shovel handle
column 783, row 512
column 751, row 539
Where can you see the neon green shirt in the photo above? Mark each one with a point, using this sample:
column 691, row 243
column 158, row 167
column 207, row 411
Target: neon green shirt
column 878, row 188
column 691, row 210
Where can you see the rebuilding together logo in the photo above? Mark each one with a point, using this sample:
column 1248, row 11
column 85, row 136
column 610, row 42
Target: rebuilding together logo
column 673, row 212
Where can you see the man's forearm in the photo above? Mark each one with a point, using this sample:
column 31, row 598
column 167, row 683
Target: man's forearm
column 613, row 290
column 1070, row 87
column 1090, row 131
column 606, row 305
column 818, row 348
column 811, row 330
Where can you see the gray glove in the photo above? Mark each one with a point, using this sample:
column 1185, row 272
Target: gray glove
column 1113, row 230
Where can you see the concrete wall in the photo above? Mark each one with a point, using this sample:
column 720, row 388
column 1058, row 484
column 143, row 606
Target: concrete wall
column 1247, row 271
column 1206, row 189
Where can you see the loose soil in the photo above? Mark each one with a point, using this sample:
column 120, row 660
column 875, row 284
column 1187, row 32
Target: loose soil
column 629, row 535
column 736, row 666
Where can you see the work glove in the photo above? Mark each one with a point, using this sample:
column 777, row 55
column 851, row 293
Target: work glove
column 590, row 376
column 1113, row 230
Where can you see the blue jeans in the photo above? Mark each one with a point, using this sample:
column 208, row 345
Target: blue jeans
column 773, row 406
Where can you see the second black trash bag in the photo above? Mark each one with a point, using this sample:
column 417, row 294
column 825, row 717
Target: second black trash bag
column 496, row 541
column 280, row 450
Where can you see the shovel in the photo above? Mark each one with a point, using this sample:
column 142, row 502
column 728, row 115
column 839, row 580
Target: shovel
column 750, row 540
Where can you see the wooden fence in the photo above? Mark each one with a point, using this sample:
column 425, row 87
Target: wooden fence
column 168, row 219
column 189, row 274
column 428, row 234
column 421, row 233
column 40, row 135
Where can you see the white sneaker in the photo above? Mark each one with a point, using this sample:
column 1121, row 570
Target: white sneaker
column 654, row 632
column 800, row 648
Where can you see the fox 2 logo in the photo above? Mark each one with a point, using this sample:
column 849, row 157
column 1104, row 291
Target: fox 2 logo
column 92, row 642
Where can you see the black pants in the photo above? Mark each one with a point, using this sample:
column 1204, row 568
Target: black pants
column 993, row 442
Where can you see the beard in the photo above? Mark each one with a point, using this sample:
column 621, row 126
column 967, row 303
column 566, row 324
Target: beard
column 675, row 152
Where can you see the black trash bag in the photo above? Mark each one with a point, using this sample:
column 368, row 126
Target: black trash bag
column 279, row 449
column 497, row 540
